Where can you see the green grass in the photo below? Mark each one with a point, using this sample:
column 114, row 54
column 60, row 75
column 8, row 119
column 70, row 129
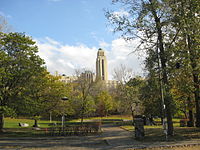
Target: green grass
column 12, row 128
column 174, row 119
column 14, row 123
column 155, row 133
column 127, row 117
column 190, row 147
column 114, row 119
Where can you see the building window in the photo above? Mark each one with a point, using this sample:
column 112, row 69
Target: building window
column 103, row 73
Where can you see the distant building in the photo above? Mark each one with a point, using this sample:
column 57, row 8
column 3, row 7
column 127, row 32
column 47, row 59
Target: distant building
column 88, row 75
column 101, row 72
column 102, row 69
column 68, row 79
column 111, row 83
column 101, row 66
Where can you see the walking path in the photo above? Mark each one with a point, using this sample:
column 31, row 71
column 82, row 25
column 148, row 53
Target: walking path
column 118, row 138
column 112, row 138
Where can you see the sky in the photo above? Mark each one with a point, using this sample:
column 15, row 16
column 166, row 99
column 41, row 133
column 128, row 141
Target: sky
column 68, row 33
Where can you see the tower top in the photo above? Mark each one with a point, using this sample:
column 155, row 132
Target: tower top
column 100, row 52
column 101, row 65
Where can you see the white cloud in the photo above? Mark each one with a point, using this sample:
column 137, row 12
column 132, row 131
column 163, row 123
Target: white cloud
column 66, row 58
column 121, row 53
column 71, row 65
column 103, row 45
column 120, row 13
column 5, row 15
column 51, row 41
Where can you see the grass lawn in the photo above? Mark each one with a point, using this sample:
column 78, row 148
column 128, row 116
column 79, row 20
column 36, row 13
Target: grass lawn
column 12, row 128
column 152, row 133
column 155, row 133
column 113, row 117
column 14, row 123
column 194, row 147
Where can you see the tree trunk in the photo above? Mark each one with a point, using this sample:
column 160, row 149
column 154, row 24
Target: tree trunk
column 36, row 123
column 163, row 59
column 1, row 122
column 187, row 105
column 190, row 123
column 170, row 127
column 83, row 109
column 132, row 114
column 185, row 114
column 197, row 100
column 194, row 60
column 162, row 120
column 50, row 117
column 82, row 120
column 82, row 116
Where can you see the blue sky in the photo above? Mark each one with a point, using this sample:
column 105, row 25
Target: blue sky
column 67, row 21
column 69, row 33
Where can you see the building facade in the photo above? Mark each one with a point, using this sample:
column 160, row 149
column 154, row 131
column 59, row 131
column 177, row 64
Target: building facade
column 101, row 66
column 101, row 72
column 88, row 75
column 68, row 79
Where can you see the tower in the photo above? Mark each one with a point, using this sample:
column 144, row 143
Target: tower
column 101, row 65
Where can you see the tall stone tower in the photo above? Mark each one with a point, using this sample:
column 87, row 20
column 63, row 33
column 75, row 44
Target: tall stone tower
column 101, row 65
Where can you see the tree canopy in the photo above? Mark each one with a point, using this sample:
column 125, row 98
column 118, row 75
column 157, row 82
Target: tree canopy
column 19, row 64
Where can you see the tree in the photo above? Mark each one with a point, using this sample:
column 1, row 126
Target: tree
column 29, row 101
column 151, row 97
column 104, row 103
column 128, row 90
column 63, row 108
column 19, row 62
column 42, row 96
column 53, row 93
column 187, row 21
column 149, row 21
column 182, row 89
column 83, row 87
column 4, row 26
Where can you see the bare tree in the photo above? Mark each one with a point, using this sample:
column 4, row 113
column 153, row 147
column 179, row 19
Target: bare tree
column 128, row 93
column 4, row 26
column 84, row 84
column 123, row 74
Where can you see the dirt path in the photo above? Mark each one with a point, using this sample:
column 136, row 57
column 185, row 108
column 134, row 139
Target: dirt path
column 118, row 138
column 112, row 138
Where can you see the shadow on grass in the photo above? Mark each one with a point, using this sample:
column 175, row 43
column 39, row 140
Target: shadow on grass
column 45, row 129
column 180, row 134
column 22, row 132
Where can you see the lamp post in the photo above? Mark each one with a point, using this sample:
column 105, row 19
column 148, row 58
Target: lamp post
column 63, row 116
